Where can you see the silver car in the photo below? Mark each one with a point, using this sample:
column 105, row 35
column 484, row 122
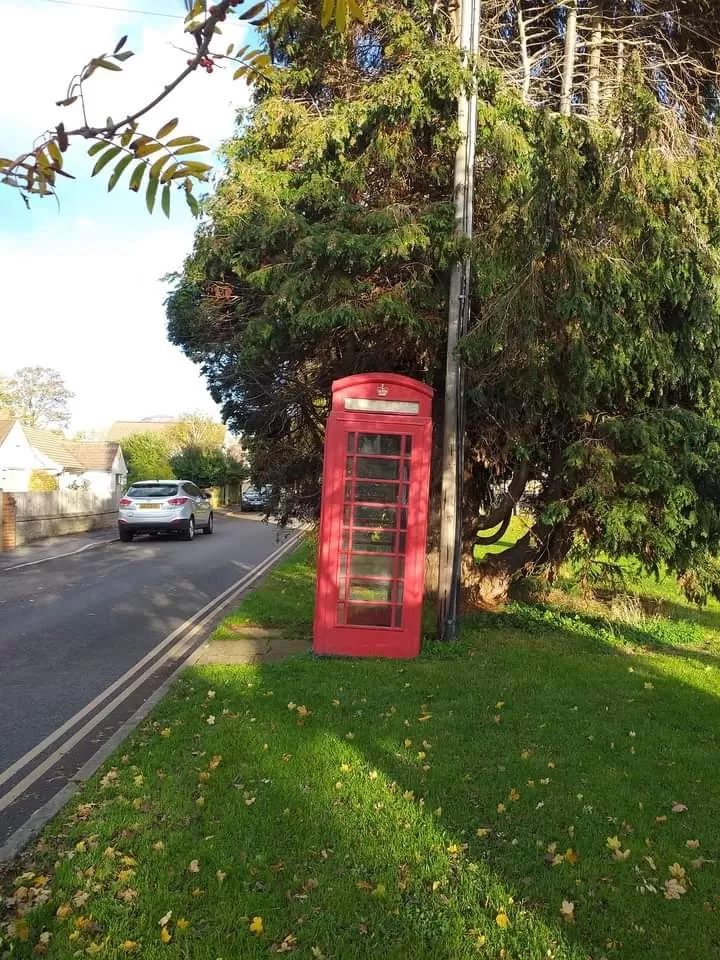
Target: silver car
column 164, row 506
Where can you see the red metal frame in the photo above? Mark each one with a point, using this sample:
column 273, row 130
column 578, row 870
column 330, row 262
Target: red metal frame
column 373, row 524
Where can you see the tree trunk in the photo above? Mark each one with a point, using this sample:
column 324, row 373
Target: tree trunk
column 594, row 69
column 569, row 59
column 524, row 57
column 486, row 584
column 619, row 65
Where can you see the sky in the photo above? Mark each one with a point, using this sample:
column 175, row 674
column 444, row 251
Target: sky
column 81, row 285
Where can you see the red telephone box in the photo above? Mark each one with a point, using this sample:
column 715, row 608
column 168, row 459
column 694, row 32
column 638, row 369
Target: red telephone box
column 373, row 520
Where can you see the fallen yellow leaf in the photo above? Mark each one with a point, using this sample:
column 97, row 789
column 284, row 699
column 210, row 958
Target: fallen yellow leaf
column 182, row 923
column 502, row 920
column 256, row 926
column 567, row 911
column 194, row 866
column 130, row 945
column 165, row 935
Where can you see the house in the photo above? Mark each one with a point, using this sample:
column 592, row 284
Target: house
column 26, row 451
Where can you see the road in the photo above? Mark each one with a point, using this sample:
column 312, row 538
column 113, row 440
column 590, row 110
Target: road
column 72, row 627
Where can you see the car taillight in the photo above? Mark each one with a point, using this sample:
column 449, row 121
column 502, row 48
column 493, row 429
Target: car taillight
column 125, row 502
column 178, row 501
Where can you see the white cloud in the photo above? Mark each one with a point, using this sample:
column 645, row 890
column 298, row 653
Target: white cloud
column 81, row 289
column 63, row 38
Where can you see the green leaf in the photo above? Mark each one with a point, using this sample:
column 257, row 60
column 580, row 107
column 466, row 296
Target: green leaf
column 120, row 168
column 42, row 161
column 263, row 60
column 136, row 178
column 182, row 141
column 253, row 11
column 5, row 162
column 146, row 148
column 355, row 11
column 119, row 45
column 195, row 148
column 196, row 169
column 158, row 165
column 150, row 194
column 165, row 200
column 67, row 102
column 240, row 72
column 192, row 203
column 125, row 55
column 97, row 147
column 128, row 135
column 229, row 50
column 326, row 13
column 105, row 159
column 166, row 128
column 341, row 13
column 54, row 151
column 170, row 172
column 196, row 10
column 106, row 64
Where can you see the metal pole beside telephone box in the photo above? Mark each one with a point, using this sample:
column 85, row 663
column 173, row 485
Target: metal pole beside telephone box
column 373, row 520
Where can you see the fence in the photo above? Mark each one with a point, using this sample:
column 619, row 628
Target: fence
column 51, row 514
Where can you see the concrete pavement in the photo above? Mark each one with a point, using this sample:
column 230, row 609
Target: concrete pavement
column 55, row 548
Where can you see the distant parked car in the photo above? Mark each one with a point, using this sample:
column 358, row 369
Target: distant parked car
column 164, row 506
column 254, row 499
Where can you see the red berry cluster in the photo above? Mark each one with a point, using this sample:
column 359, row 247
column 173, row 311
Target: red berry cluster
column 205, row 62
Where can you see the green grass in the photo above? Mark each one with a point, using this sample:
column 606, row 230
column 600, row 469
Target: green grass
column 354, row 805
column 517, row 528
column 285, row 602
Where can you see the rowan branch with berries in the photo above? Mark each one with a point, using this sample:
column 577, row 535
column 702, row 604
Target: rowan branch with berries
column 162, row 160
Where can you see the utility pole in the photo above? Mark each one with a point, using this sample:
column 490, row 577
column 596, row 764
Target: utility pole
column 458, row 313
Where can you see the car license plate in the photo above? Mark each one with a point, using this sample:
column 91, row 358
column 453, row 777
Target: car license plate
column 149, row 506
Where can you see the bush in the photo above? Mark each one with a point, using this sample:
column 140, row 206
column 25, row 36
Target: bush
column 43, row 482
column 147, row 456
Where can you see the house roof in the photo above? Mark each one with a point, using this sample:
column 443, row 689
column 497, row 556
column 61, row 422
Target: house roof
column 122, row 429
column 94, row 454
column 53, row 446
column 77, row 455
column 5, row 428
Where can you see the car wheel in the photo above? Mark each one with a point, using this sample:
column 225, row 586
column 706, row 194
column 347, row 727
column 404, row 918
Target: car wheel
column 208, row 528
column 189, row 532
column 126, row 535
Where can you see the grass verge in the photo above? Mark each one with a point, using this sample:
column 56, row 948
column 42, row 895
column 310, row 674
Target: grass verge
column 545, row 789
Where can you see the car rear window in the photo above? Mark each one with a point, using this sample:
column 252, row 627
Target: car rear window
column 155, row 491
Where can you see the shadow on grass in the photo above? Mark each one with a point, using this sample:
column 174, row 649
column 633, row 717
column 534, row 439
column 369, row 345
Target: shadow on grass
column 599, row 635
column 350, row 826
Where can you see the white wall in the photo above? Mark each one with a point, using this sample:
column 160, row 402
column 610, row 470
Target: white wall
column 18, row 460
